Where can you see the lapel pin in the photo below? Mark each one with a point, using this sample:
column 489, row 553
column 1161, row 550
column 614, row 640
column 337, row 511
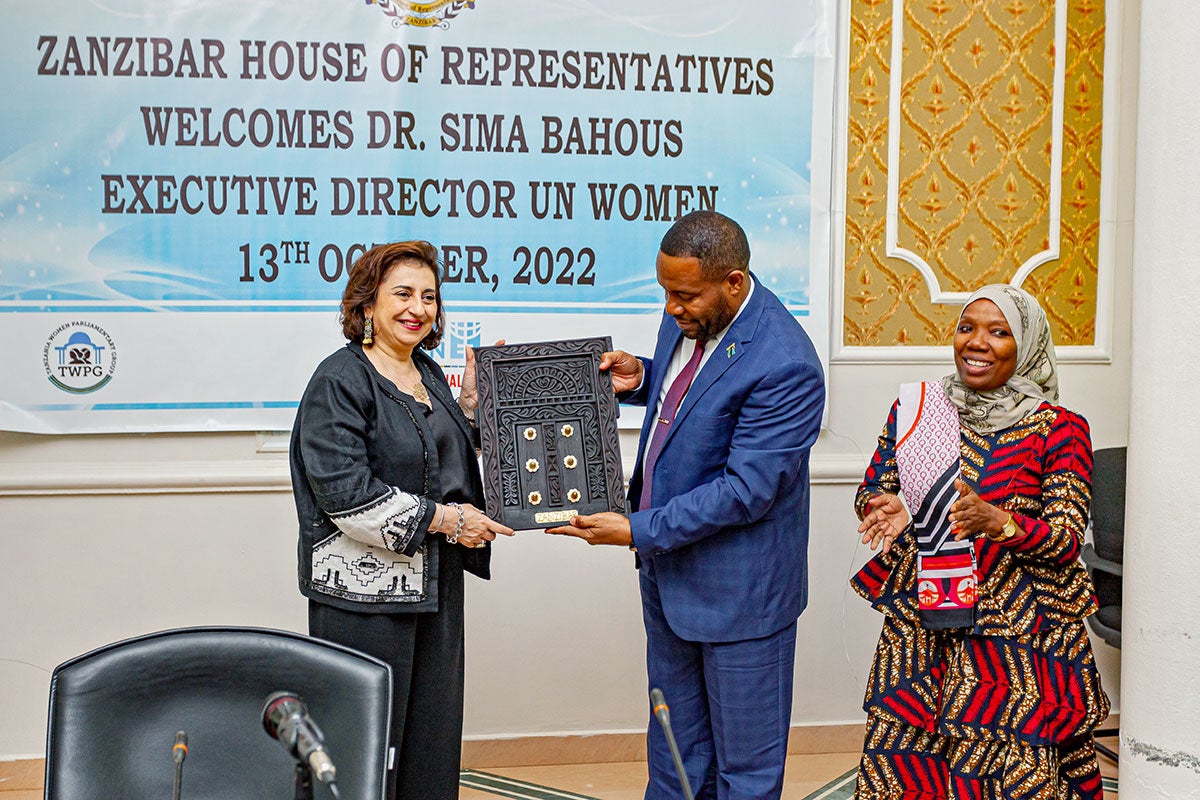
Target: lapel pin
column 731, row 351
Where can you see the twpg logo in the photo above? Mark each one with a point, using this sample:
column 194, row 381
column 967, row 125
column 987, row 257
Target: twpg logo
column 422, row 15
column 79, row 357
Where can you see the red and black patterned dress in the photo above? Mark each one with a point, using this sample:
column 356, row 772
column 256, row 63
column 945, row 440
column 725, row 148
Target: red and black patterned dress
column 1005, row 709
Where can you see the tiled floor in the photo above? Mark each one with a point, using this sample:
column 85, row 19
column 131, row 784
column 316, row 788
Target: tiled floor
column 827, row 776
column 21, row 780
column 627, row 781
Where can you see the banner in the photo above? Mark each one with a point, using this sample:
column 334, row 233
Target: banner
column 185, row 184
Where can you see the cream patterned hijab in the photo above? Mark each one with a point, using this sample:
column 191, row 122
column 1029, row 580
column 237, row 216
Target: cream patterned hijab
column 1035, row 378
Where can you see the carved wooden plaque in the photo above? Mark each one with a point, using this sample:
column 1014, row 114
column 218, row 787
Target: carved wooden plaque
column 548, row 424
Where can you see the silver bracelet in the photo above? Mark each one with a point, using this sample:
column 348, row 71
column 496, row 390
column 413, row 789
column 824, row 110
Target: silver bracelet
column 441, row 516
column 459, row 523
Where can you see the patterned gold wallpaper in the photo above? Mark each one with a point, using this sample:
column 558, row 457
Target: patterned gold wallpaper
column 974, row 171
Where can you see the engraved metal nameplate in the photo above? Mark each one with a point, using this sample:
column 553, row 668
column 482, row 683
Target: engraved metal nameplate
column 548, row 429
column 555, row 517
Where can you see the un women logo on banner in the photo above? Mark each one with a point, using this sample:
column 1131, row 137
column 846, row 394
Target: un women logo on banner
column 422, row 15
column 79, row 357
column 451, row 352
column 458, row 336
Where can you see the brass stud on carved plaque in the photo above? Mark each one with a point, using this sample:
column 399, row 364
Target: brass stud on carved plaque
column 568, row 431
column 531, row 433
column 570, row 462
column 532, row 465
column 535, row 498
column 573, row 495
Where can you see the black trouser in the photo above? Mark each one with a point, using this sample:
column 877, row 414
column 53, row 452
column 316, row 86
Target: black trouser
column 425, row 652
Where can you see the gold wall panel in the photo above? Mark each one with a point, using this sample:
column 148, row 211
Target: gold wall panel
column 974, row 163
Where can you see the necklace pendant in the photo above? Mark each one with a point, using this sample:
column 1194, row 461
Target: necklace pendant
column 420, row 394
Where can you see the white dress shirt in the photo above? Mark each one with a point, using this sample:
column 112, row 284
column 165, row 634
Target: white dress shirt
column 683, row 353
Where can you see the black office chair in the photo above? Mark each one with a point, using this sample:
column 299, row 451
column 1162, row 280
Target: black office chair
column 1103, row 556
column 114, row 713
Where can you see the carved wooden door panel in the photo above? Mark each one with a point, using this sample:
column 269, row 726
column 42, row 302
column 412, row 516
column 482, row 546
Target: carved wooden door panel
column 548, row 424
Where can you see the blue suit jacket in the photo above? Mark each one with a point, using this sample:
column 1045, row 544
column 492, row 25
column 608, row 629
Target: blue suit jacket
column 727, row 536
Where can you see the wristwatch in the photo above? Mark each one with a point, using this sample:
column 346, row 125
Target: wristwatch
column 1007, row 532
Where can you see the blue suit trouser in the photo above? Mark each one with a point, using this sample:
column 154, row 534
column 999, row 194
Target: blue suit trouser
column 730, row 708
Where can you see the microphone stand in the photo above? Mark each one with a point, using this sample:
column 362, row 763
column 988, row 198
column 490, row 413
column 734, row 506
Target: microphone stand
column 178, row 753
column 304, row 782
column 664, row 718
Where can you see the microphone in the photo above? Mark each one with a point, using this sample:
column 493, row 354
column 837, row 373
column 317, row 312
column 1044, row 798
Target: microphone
column 285, row 718
column 178, row 753
column 664, row 719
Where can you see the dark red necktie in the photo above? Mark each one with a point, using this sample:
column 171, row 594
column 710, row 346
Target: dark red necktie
column 666, row 415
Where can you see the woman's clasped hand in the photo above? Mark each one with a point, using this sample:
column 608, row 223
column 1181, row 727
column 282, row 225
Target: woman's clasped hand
column 970, row 516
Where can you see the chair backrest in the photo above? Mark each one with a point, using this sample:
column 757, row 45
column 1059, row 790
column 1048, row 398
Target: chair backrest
column 114, row 713
column 1103, row 557
column 1108, row 503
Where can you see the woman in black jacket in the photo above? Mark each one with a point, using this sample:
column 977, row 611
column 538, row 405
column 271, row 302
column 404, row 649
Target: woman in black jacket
column 386, row 485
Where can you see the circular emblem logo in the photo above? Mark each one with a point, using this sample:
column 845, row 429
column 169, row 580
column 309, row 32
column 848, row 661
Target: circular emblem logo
column 928, row 593
column 79, row 357
column 966, row 590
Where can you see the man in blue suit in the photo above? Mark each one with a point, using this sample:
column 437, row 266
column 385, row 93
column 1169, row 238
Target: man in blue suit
column 720, row 496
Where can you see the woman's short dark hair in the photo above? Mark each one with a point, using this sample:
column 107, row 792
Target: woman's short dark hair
column 367, row 273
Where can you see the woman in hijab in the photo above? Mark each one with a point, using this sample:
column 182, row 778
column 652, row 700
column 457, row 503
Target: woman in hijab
column 983, row 683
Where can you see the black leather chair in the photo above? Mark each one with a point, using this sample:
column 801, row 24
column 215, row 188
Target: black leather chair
column 114, row 713
column 1103, row 556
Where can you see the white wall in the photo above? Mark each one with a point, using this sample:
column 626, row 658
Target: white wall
column 1159, row 743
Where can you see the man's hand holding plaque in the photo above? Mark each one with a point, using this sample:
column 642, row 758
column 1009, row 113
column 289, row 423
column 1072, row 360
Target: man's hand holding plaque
column 626, row 370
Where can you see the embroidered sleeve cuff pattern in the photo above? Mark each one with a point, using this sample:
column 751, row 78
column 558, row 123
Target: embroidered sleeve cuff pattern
column 390, row 521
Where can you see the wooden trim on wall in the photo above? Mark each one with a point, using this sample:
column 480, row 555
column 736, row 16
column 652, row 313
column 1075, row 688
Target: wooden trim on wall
column 265, row 474
column 147, row 477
